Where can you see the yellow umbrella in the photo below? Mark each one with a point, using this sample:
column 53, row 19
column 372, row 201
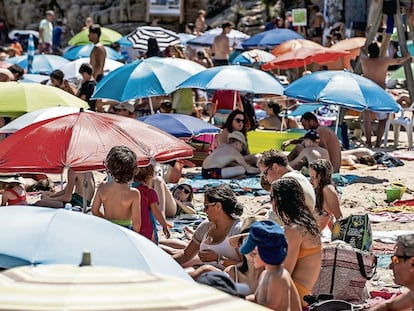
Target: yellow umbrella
column 67, row 287
column 107, row 37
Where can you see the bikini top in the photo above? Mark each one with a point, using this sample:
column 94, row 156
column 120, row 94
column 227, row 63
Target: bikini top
column 18, row 199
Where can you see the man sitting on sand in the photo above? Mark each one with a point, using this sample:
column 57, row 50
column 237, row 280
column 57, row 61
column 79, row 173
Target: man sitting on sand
column 226, row 160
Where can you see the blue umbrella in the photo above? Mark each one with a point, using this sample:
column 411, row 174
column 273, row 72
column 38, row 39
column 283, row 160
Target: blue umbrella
column 57, row 236
column 235, row 77
column 42, row 63
column 253, row 57
column 207, row 38
column 33, row 78
column 342, row 88
column 180, row 125
column 269, row 39
column 124, row 42
column 80, row 51
column 146, row 78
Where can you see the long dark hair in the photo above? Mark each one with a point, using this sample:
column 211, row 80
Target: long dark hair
column 291, row 206
column 226, row 197
column 323, row 169
column 229, row 121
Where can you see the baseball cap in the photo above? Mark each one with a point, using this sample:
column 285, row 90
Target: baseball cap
column 222, row 281
column 125, row 105
column 312, row 135
column 270, row 240
column 238, row 136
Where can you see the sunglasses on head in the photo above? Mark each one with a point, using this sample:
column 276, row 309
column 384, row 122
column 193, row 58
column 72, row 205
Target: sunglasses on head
column 397, row 259
column 238, row 120
column 186, row 191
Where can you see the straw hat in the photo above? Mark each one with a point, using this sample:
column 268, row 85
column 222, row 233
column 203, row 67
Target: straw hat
column 12, row 178
column 238, row 136
column 245, row 229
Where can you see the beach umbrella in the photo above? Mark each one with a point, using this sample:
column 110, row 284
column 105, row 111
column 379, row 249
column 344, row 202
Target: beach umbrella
column 342, row 88
column 236, row 78
column 139, row 37
column 145, row 78
column 303, row 57
column 71, row 69
column 207, row 38
column 107, row 37
column 124, row 42
column 57, row 236
column 42, row 63
column 33, row 78
column 399, row 74
column 179, row 125
column 70, row 287
column 19, row 98
column 30, row 54
column 17, row 33
column 270, row 38
column 185, row 37
column 349, row 44
column 81, row 51
column 253, row 57
column 82, row 141
column 294, row 44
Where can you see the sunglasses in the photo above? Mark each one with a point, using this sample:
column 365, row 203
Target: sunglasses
column 186, row 191
column 398, row 259
column 239, row 120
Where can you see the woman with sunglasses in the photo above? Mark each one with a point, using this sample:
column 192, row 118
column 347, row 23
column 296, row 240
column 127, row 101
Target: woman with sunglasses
column 236, row 121
column 273, row 121
column 183, row 195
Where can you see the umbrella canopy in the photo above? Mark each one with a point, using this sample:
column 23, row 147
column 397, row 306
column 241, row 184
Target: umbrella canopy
column 294, row 44
column 71, row 69
column 139, row 37
column 271, row 38
column 349, row 44
column 145, row 78
column 234, row 77
column 303, row 57
column 107, row 37
column 33, row 78
column 57, row 236
column 19, row 98
column 42, row 63
column 399, row 74
column 81, row 51
column 207, row 38
column 179, row 125
column 253, row 57
column 342, row 88
column 68, row 287
column 82, row 141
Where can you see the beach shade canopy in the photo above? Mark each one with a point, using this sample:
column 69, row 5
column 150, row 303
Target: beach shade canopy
column 107, row 37
column 124, row 42
column 42, row 63
column 236, row 78
column 179, row 125
column 139, row 37
column 349, row 44
column 304, row 57
column 342, row 88
column 185, row 37
column 71, row 69
column 19, row 98
column 207, row 38
column 82, row 141
column 270, row 38
column 57, row 236
column 399, row 74
column 18, row 33
column 33, row 78
column 70, row 287
column 146, row 78
column 294, row 44
column 81, row 51
column 253, row 57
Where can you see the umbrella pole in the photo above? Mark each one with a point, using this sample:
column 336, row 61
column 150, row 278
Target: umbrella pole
column 151, row 107
column 84, row 186
column 234, row 100
column 337, row 121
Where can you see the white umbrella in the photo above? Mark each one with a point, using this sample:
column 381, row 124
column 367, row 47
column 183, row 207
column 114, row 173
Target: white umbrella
column 139, row 37
column 71, row 69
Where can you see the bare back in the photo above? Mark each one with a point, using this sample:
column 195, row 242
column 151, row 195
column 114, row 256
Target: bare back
column 97, row 59
column 376, row 69
column 329, row 141
column 89, row 191
column 221, row 47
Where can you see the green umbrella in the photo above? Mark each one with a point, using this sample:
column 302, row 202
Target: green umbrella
column 108, row 36
column 399, row 74
column 19, row 98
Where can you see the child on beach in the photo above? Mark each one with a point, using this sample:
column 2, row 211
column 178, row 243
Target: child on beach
column 121, row 203
column 14, row 193
column 149, row 206
column 267, row 243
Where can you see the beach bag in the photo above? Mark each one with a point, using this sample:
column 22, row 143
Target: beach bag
column 354, row 230
column 344, row 272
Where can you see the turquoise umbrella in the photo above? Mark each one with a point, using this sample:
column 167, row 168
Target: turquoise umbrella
column 42, row 63
column 80, row 51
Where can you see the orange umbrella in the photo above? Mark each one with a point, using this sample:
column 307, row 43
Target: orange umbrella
column 349, row 44
column 303, row 57
column 294, row 44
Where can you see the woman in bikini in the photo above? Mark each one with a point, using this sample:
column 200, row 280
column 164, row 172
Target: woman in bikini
column 14, row 193
column 304, row 256
column 327, row 199
column 273, row 121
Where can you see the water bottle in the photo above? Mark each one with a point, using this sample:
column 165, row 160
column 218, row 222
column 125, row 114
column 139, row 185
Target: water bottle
column 68, row 206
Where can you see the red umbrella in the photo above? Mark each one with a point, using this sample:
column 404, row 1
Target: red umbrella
column 294, row 44
column 82, row 141
column 303, row 57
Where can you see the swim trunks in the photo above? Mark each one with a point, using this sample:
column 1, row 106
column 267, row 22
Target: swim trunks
column 77, row 200
column 214, row 173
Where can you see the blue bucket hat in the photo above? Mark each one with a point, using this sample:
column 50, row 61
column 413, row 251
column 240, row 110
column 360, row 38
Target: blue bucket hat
column 270, row 240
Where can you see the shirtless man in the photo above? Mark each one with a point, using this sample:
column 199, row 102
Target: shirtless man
column 98, row 54
column 221, row 46
column 311, row 152
column 375, row 68
column 226, row 160
column 73, row 193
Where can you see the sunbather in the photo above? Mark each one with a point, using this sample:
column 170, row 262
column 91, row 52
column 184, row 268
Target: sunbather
column 14, row 192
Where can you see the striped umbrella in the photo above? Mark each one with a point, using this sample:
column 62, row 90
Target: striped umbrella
column 66, row 287
column 139, row 37
column 30, row 53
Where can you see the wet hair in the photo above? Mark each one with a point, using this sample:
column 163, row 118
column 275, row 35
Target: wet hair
column 87, row 68
column 121, row 163
column 58, row 75
column 95, row 28
column 291, row 207
column 229, row 121
column 373, row 50
column 226, row 197
column 324, row 170
column 16, row 69
column 271, row 157
column 190, row 195
column 309, row 116
column 153, row 49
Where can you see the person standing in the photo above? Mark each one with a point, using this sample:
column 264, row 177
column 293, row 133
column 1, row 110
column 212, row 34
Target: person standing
column 200, row 23
column 46, row 33
column 221, row 46
column 98, row 54
column 88, row 85
column 58, row 30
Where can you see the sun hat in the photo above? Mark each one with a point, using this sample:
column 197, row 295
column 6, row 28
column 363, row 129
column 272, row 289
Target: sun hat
column 238, row 136
column 126, row 105
column 312, row 135
column 12, row 178
column 244, row 229
column 222, row 281
column 270, row 240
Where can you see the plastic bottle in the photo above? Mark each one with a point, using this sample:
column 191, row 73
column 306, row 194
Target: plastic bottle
column 68, row 206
